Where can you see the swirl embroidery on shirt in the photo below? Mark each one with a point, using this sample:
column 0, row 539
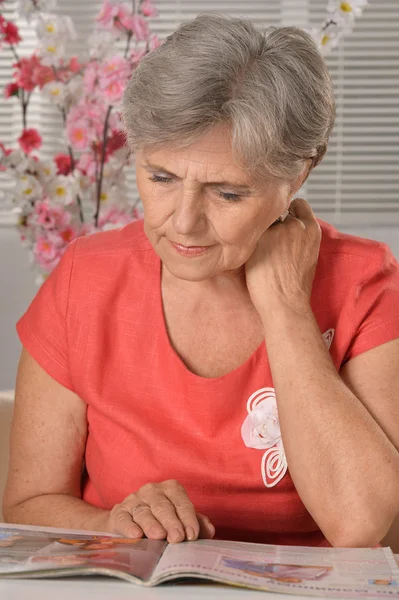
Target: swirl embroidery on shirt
column 261, row 429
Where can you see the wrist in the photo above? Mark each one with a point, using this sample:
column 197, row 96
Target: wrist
column 99, row 520
column 278, row 304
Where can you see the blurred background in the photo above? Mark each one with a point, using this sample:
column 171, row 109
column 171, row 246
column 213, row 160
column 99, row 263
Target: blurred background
column 356, row 187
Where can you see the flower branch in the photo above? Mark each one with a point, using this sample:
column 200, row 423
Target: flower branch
column 53, row 194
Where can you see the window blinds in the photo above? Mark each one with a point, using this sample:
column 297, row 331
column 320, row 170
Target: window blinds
column 358, row 181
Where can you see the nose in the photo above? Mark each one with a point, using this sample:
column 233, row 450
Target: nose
column 189, row 216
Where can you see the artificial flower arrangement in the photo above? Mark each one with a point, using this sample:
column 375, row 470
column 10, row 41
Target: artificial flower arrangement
column 83, row 189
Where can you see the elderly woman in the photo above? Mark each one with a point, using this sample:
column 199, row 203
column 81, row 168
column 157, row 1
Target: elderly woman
column 216, row 368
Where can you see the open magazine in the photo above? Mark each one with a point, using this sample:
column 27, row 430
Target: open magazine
column 323, row 572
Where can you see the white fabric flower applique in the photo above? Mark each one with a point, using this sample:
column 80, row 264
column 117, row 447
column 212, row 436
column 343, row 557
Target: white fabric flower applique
column 261, row 429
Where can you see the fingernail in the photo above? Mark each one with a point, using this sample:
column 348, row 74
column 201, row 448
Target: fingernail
column 176, row 535
column 190, row 533
column 136, row 534
column 157, row 532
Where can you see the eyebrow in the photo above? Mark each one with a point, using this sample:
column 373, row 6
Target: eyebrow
column 239, row 186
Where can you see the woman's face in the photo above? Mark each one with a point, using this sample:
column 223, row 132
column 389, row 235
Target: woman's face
column 203, row 213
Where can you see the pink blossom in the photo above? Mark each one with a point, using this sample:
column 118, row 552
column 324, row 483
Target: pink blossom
column 87, row 164
column 46, row 253
column 106, row 16
column 114, row 74
column 136, row 55
column 91, row 77
column 30, row 140
column 89, row 116
column 64, row 236
column 87, row 229
column 124, row 18
column 116, row 17
column 77, row 133
column 148, row 9
column 155, row 42
column 50, row 216
column 114, row 217
column 140, row 28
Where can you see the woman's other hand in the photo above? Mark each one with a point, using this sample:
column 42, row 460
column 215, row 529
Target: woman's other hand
column 159, row 511
column 285, row 259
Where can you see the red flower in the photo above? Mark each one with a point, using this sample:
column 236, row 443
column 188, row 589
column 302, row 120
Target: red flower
column 29, row 72
column 74, row 65
column 11, row 90
column 4, row 152
column 116, row 141
column 9, row 32
column 63, row 162
column 30, row 140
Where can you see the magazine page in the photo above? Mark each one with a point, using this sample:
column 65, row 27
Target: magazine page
column 326, row 572
column 60, row 552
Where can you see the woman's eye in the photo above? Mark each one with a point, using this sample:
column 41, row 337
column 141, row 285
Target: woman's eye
column 230, row 197
column 160, row 178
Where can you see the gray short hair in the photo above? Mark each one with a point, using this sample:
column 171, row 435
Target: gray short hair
column 273, row 88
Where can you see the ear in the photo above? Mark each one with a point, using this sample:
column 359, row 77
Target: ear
column 302, row 177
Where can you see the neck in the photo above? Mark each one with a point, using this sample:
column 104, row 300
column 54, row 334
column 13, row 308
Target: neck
column 226, row 283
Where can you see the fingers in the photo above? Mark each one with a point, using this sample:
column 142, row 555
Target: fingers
column 184, row 509
column 122, row 522
column 207, row 530
column 163, row 511
column 301, row 209
column 159, row 511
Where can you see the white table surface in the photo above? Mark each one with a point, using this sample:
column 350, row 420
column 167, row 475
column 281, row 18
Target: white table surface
column 103, row 588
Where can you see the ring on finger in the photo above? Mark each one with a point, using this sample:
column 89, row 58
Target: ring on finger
column 139, row 507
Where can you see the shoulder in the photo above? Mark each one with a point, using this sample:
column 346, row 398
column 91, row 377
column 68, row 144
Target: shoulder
column 127, row 240
column 350, row 255
column 107, row 261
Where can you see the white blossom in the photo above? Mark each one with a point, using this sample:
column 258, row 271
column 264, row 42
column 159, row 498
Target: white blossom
column 28, row 188
column 55, row 91
column 17, row 161
column 27, row 9
column 329, row 37
column 51, row 50
column 47, row 170
column 100, row 44
column 52, row 26
column 339, row 23
column 63, row 189
column 350, row 9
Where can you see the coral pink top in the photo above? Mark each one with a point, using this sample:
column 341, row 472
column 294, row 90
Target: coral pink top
column 97, row 327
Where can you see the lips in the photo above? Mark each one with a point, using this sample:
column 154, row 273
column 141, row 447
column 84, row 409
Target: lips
column 190, row 250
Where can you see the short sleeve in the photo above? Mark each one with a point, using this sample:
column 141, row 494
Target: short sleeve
column 374, row 304
column 42, row 329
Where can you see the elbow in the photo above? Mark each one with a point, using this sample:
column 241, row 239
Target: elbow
column 360, row 530
column 358, row 534
column 364, row 520
column 349, row 538
column 8, row 512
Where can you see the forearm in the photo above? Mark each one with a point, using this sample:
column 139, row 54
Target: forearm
column 58, row 510
column 341, row 462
